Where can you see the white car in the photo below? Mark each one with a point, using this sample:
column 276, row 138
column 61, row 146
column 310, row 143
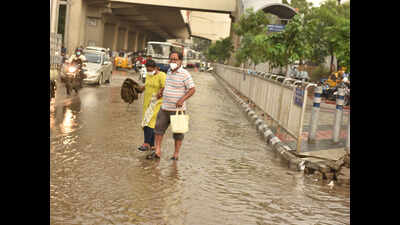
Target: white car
column 98, row 67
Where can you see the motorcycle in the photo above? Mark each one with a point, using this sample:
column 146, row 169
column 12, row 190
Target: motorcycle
column 73, row 77
column 143, row 72
column 202, row 67
column 346, row 100
column 326, row 91
column 136, row 67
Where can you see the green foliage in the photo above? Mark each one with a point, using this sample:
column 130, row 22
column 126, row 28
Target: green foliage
column 220, row 51
column 252, row 27
column 311, row 35
column 328, row 28
column 251, row 23
column 303, row 6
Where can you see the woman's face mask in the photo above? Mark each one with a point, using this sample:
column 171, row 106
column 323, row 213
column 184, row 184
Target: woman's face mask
column 151, row 70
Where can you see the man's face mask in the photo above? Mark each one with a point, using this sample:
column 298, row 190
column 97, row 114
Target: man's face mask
column 173, row 62
column 173, row 66
column 78, row 53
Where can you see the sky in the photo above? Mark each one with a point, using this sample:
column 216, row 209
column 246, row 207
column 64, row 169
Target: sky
column 316, row 3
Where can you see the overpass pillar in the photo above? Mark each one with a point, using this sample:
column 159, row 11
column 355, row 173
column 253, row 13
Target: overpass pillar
column 53, row 15
column 126, row 39
column 144, row 41
column 136, row 45
column 115, row 39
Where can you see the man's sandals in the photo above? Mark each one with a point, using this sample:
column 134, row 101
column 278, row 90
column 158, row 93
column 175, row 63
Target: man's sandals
column 153, row 155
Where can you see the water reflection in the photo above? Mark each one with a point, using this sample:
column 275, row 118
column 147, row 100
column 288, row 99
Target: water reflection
column 63, row 115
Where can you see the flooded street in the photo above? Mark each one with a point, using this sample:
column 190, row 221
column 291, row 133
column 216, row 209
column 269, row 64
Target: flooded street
column 226, row 174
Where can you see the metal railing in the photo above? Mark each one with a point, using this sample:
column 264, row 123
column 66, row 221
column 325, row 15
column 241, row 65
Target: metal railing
column 283, row 99
column 55, row 49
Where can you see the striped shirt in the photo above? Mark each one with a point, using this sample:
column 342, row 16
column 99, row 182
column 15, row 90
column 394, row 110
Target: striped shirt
column 176, row 86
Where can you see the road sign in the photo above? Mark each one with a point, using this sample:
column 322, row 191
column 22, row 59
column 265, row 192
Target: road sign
column 299, row 96
column 276, row 27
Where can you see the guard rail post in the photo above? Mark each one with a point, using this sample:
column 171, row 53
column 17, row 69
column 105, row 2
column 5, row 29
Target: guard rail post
column 338, row 115
column 303, row 110
column 315, row 114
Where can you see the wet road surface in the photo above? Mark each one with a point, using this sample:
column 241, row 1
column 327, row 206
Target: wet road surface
column 226, row 174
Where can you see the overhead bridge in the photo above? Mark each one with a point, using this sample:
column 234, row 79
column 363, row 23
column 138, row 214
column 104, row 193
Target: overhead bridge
column 162, row 19
column 129, row 24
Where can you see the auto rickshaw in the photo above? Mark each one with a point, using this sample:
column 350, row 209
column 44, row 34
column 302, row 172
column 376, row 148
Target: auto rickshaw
column 332, row 80
column 123, row 60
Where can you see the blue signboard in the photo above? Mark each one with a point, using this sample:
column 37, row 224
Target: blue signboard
column 299, row 96
column 276, row 27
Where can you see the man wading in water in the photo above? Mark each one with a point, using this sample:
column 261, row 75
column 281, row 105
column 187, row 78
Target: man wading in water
column 179, row 86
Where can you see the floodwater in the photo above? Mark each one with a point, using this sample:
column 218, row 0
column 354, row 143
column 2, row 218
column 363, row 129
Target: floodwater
column 226, row 174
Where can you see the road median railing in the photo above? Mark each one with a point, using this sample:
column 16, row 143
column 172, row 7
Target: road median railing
column 282, row 99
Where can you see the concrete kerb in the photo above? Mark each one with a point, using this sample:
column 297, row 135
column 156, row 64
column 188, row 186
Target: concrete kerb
column 274, row 142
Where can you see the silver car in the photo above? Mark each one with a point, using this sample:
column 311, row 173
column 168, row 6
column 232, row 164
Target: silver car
column 98, row 67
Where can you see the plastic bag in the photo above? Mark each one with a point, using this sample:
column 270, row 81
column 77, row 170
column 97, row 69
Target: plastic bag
column 180, row 122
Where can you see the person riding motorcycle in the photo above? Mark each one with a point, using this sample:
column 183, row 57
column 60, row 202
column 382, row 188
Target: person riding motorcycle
column 334, row 81
column 78, row 59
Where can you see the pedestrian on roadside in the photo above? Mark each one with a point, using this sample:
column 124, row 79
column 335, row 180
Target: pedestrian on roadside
column 179, row 86
column 151, row 104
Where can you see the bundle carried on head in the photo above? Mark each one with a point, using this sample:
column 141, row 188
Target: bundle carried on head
column 130, row 90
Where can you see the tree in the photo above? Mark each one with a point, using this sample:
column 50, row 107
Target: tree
column 252, row 27
column 288, row 46
column 311, row 35
column 303, row 6
column 220, row 51
column 279, row 49
column 343, row 38
column 325, row 30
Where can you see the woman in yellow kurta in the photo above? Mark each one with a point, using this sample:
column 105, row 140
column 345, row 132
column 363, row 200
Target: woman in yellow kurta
column 155, row 82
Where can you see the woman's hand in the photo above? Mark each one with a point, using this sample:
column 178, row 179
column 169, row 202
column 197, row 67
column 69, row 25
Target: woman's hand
column 160, row 93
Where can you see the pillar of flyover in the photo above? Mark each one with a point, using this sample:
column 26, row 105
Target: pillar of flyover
column 53, row 15
column 74, row 25
column 144, row 41
column 131, row 41
column 126, row 39
column 136, row 45
column 115, row 39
